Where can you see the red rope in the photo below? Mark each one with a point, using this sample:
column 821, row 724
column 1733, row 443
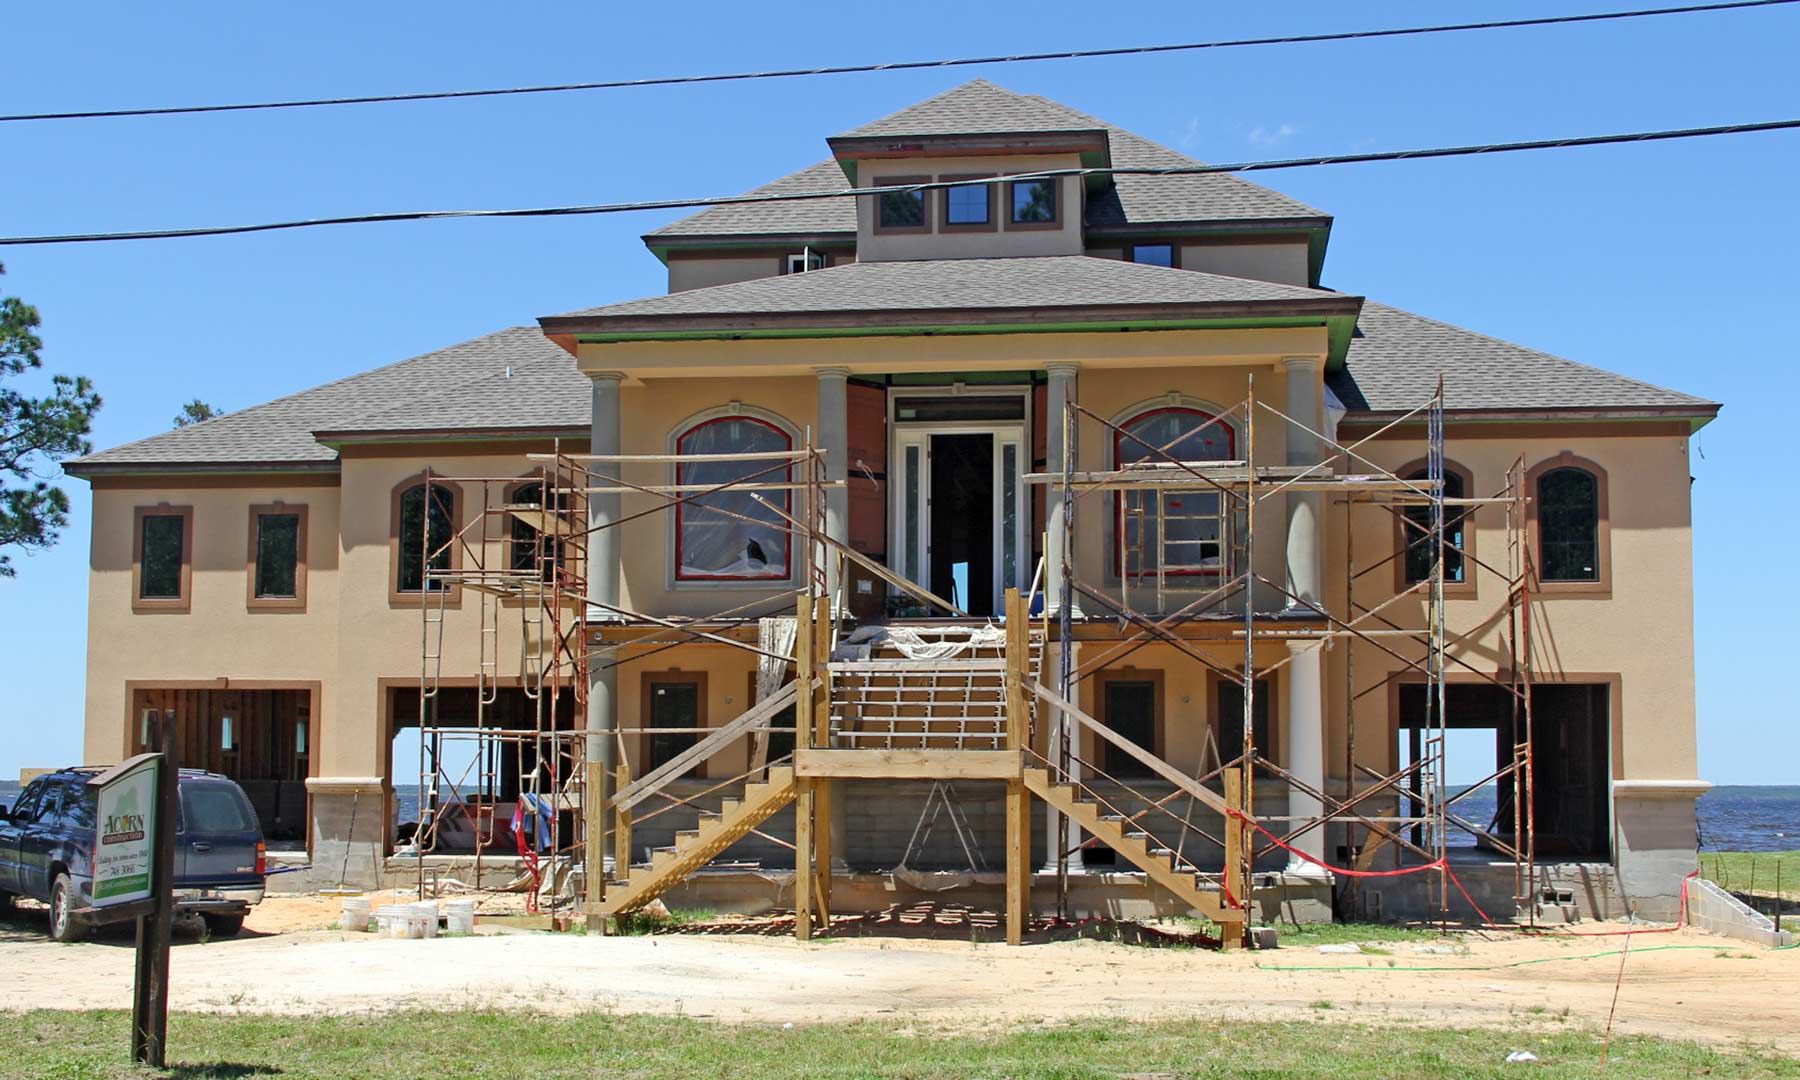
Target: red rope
column 1680, row 919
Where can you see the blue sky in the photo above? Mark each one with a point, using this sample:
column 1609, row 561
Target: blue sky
column 1665, row 262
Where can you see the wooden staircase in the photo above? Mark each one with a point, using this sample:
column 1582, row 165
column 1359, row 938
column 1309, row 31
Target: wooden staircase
column 695, row 848
column 1136, row 845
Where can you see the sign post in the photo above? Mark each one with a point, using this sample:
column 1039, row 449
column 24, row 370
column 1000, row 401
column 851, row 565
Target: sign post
column 134, row 873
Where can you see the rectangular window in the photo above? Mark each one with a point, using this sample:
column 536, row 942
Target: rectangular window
column 1130, row 710
column 968, row 206
column 1153, row 254
column 277, row 558
column 902, row 211
column 1231, row 721
column 802, row 261
column 675, row 707
column 162, row 563
column 1034, row 202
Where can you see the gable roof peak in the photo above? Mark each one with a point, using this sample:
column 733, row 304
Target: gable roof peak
column 977, row 107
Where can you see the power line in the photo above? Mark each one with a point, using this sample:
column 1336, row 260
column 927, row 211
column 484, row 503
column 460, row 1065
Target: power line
column 905, row 65
column 1421, row 153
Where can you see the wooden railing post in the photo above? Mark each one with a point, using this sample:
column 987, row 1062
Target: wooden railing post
column 822, row 789
column 1018, row 804
column 803, row 792
column 1231, row 937
column 622, row 826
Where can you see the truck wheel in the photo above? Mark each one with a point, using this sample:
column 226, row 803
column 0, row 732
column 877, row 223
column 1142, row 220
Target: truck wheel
column 64, row 926
column 222, row 926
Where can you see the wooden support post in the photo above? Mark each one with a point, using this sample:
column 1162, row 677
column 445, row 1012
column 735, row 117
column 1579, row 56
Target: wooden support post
column 593, row 832
column 1018, row 804
column 1235, row 847
column 803, row 798
column 622, row 827
column 822, row 788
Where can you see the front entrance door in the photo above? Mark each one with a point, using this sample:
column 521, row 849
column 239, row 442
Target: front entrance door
column 958, row 499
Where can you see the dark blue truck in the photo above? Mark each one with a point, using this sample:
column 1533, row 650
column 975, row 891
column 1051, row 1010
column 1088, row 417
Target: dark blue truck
column 47, row 840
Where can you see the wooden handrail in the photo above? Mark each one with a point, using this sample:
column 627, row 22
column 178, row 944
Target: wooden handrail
column 1144, row 757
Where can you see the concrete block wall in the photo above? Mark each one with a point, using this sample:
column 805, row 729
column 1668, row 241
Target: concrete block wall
column 1712, row 909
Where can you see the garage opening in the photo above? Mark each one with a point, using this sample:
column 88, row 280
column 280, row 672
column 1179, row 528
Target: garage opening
column 1570, row 764
column 478, row 760
column 263, row 739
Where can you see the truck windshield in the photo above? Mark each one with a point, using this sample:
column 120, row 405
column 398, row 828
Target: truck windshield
column 214, row 808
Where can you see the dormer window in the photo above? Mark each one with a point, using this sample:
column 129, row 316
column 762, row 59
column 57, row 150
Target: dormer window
column 968, row 207
column 1152, row 254
column 802, row 261
column 1034, row 203
column 902, row 211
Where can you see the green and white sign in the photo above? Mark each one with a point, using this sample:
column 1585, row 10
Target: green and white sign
column 125, row 831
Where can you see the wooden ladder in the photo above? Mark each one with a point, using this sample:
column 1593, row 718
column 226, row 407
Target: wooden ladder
column 1126, row 839
column 695, row 848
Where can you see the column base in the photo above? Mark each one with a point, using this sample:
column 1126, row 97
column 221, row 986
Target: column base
column 348, row 829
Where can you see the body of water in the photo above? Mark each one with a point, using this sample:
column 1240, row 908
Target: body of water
column 1732, row 817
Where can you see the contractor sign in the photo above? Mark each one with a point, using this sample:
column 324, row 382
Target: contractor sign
column 125, row 831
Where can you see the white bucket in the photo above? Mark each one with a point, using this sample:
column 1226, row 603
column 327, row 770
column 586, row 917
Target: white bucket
column 396, row 920
column 355, row 916
column 459, row 916
column 426, row 914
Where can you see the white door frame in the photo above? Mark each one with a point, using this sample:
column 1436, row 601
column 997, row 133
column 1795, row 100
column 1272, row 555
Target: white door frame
column 919, row 434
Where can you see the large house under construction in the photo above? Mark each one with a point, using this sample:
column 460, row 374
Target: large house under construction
column 1020, row 533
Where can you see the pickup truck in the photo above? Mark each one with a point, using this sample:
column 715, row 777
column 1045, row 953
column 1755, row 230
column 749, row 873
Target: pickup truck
column 47, row 842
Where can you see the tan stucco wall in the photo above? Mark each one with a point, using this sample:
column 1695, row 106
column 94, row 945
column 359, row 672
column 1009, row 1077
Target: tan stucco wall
column 218, row 637
column 1066, row 239
column 687, row 274
column 1282, row 262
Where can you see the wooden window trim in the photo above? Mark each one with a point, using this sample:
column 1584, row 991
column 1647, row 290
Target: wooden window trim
column 640, row 766
column 1130, row 253
column 1055, row 222
column 1601, row 586
column 993, row 217
column 452, row 595
column 1095, row 747
column 297, row 602
column 925, row 219
column 1467, row 588
column 176, row 605
column 1273, row 751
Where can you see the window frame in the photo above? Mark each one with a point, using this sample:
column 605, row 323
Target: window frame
column 646, row 712
column 182, row 603
column 925, row 206
column 1465, row 589
column 1130, row 253
column 297, row 602
column 1056, row 218
column 1096, row 748
column 674, row 577
column 1116, row 561
column 508, row 543
column 787, row 261
column 1602, row 583
column 992, row 223
column 452, row 596
column 1273, row 687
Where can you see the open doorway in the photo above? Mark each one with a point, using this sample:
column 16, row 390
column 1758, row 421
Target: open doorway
column 962, row 521
column 261, row 738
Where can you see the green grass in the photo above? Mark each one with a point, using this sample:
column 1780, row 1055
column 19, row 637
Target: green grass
column 1306, row 935
column 1733, row 870
column 92, row 1046
column 639, row 922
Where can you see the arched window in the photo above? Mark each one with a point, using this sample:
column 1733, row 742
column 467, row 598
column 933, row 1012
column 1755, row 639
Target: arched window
column 421, row 544
column 1416, row 527
column 1182, row 533
column 525, row 542
column 1568, row 523
column 729, row 535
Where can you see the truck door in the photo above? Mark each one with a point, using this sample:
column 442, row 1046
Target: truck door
column 37, row 842
column 12, row 832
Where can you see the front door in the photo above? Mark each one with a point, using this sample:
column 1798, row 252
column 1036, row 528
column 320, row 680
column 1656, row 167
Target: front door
column 957, row 501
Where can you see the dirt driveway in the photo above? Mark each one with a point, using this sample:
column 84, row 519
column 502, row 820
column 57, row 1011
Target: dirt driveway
column 1710, row 989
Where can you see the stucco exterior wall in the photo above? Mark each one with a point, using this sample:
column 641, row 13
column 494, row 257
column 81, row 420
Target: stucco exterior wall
column 873, row 245
column 1285, row 262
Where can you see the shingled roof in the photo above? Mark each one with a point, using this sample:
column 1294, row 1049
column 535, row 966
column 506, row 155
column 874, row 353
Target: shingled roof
column 980, row 107
column 1396, row 357
column 939, row 286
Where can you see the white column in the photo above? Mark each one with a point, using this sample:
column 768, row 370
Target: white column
column 603, row 581
column 1305, row 510
column 834, row 439
column 1061, row 391
column 1305, row 701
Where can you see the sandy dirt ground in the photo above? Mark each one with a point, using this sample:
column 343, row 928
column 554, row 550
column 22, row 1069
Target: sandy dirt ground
column 288, row 962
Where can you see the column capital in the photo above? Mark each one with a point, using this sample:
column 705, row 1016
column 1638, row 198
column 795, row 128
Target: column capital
column 1302, row 363
column 839, row 373
column 1063, row 367
column 1300, row 646
column 607, row 376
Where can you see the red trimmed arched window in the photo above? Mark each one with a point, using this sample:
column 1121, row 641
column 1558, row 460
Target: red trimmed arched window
column 1180, row 532
column 728, row 535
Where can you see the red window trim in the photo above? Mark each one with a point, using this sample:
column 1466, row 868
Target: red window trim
column 1119, row 497
column 787, row 504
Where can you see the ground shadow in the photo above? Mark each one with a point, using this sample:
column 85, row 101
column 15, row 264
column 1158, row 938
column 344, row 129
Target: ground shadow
column 221, row 1069
column 29, row 921
column 934, row 920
